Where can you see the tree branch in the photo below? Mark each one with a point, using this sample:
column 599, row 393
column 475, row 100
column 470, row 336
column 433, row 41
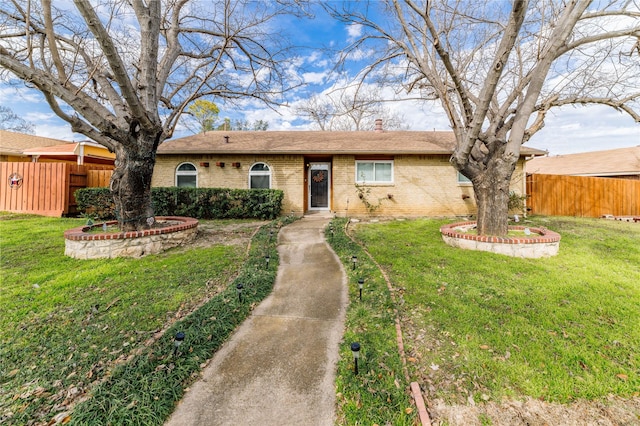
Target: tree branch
column 516, row 18
column 115, row 62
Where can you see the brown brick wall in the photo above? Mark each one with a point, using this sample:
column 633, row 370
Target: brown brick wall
column 423, row 185
column 287, row 174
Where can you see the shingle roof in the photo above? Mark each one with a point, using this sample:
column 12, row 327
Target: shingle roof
column 15, row 143
column 316, row 142
column 613, row 162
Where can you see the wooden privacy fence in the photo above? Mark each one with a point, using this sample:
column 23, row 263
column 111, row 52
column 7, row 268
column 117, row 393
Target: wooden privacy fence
column 582, row 196
column 98, row 178
column 42, row 188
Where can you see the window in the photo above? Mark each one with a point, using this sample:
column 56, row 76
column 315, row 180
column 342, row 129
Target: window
column 260, row 176
column 374, row 171
column 463, row 180
column 187, row 176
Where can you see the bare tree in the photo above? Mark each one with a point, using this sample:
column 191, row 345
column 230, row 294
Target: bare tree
column 122, row 72
column 349, row 110
column 9, row 120
column 498, row 67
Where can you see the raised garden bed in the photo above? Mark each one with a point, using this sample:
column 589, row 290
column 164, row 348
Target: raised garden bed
column 534, row 243
column 90, row 242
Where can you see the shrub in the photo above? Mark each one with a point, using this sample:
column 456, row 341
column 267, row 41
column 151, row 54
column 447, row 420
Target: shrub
column 95, row 202
column 201, row 203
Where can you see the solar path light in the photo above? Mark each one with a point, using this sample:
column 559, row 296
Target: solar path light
column 355, row 350
column 177, row 341
column 239, row 288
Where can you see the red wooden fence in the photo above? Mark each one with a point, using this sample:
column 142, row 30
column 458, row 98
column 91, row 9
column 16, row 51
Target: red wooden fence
column 41, row 188
column 98, row 178
column 582, row 196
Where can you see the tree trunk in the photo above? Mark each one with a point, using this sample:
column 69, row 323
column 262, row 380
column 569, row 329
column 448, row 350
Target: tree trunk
column 131, row 186
column 491, row 190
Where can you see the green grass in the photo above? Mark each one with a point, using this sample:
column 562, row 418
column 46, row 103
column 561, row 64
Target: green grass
column 69, row 327
column 489, row 326
column 475, row 324
column 379, row 393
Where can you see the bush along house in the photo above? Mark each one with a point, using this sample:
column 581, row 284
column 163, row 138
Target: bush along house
column 373, row 173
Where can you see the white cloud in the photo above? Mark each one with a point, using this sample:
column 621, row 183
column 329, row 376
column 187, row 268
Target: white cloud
column 590, row 128
column 354, row 31
column 13, row 96
column 62, row 132
column 314, row 77
column 39, row 116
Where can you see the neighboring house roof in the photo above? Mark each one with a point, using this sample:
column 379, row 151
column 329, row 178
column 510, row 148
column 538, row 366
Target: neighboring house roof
column 24, row 145
column 317, row 142
column 12, row 143
column 613, row 162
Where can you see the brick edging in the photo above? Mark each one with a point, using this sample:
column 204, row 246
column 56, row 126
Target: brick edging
column 542, row 235
column 81, row 233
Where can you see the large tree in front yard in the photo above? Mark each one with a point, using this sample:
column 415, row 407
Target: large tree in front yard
column 497, row 68
column 122, row 72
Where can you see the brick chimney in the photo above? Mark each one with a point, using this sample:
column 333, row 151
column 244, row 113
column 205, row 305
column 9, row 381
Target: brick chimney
column 378, row 128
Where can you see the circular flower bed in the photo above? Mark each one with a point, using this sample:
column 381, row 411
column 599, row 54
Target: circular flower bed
column 533, row 243
column 87, row 242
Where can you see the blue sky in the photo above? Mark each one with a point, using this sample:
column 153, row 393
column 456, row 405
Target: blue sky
column 567, row 130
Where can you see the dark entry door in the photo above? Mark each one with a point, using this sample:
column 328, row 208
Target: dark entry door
column 319, row 186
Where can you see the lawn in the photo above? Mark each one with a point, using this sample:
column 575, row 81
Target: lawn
column 377, row 395
column 67, row 325
column 484, row 327
column 477, row 326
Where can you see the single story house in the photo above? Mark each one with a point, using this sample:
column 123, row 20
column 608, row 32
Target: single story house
column 395, row 173
column 621, row 163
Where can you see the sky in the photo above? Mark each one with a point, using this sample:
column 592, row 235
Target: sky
column 567, row 130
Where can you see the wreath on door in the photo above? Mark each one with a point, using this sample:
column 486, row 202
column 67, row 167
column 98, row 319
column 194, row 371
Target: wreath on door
column 319, row 177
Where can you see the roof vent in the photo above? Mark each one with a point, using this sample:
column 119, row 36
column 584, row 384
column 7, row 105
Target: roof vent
column 378, row 128
column 226, row 139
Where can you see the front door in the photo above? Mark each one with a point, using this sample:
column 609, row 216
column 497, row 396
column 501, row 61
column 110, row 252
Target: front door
column 319, row 186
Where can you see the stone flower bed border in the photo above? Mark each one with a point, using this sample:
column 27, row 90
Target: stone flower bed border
column 541, row 243
column 81, row 243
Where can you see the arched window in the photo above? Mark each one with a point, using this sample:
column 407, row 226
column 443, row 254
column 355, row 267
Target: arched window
column 260, row 176
column 187, row 176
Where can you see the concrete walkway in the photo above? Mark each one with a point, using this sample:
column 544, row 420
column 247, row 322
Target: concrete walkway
column 279, row 366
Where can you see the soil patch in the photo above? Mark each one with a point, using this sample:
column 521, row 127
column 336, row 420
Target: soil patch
column 614, row 411
column 235, row 234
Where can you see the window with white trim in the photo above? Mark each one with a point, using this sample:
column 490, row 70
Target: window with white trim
column 260, row 176
column 187, row 176
column 374, row 171
column 463, row 180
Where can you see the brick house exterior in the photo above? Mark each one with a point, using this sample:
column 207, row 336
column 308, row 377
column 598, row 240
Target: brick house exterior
column 377, row 173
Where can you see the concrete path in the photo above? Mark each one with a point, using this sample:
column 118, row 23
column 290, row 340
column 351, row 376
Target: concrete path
column 279, row 366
